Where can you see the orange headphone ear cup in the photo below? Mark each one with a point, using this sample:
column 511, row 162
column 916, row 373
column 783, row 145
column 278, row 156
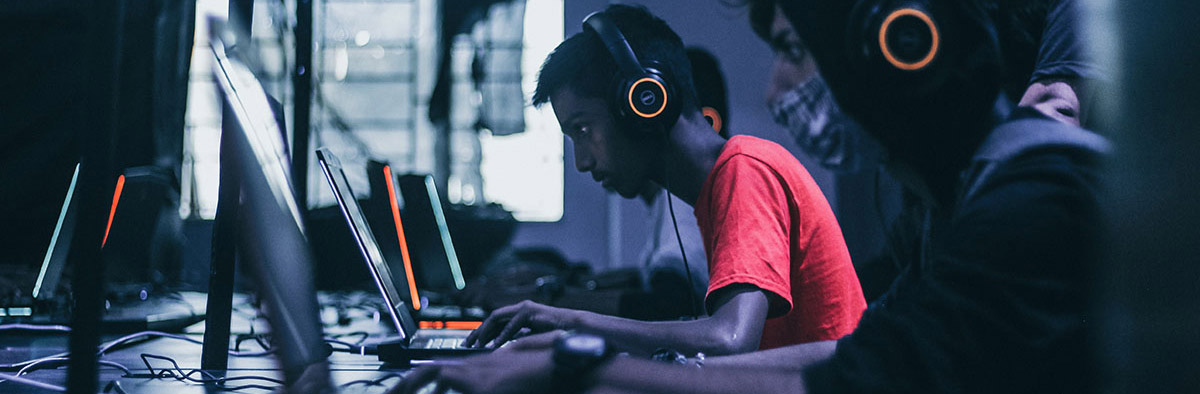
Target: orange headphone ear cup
column 914, row 47
column 714, row 118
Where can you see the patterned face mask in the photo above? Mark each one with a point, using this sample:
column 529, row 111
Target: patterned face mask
column 810, row 115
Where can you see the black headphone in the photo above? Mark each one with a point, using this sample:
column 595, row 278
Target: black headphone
column 713, row 117
column 642, row 95
column 914, row 44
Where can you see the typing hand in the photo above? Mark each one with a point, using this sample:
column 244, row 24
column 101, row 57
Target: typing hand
column 506, row 372
column 506, row 322
column 543, row 341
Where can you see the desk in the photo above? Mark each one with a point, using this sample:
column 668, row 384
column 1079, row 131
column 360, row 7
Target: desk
column 345, row 368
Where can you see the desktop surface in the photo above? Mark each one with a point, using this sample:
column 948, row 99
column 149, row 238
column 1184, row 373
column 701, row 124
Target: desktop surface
column 347, row 317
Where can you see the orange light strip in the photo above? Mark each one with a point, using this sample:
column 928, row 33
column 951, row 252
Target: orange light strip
column 450, row 325
column 408, row 271
column 113, row 212
column 463, row 325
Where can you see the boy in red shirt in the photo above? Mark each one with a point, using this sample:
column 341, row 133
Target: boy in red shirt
column 780, row 273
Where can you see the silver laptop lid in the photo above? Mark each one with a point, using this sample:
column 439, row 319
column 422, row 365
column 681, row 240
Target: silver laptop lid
column 380, row 271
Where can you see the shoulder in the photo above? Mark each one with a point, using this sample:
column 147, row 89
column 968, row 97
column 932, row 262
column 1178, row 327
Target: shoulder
column 1032, row 154
column 753, row 146
column 745, row 152
column 1041, row 204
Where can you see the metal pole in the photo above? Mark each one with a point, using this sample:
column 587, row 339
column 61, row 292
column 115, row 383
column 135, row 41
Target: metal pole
column 222, row 265
column 215, row 355
column 97, row 182
column 302, row 87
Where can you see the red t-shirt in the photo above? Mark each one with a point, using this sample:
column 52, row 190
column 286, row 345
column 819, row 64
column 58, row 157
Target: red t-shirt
column 766, row 223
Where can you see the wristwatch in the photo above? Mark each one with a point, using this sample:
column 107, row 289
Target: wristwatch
column 576, row 355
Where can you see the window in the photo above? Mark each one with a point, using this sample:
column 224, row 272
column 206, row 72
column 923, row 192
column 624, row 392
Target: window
column 374, row 68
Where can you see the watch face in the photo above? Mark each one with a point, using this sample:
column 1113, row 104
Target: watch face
column 585, row 344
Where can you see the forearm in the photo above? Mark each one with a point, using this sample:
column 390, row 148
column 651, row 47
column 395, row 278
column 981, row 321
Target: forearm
column 735, row 327
column 791, row 358
column 627, row 375
column 707, row 335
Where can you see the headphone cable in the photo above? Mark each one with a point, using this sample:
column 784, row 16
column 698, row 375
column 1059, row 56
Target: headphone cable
column 687, row 269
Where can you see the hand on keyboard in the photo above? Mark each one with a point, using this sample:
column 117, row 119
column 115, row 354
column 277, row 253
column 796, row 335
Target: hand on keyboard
column 501, row 372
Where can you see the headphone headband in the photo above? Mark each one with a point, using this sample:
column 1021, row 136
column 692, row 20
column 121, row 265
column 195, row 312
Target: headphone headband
column 615, row 42
column 642, row 93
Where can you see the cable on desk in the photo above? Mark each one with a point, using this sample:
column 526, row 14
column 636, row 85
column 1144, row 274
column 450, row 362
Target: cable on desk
column 262, row 340
column 343, row 343
column 19, row 365
column 370, row 382
column 31, row 382
column 121, row 341
column 59, row 361
column 362, row 334
column 177, row 373
column 114, row 385
column 128, row 338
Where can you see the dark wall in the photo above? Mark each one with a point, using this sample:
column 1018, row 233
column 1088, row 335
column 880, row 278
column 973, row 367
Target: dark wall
column 580, row 235
column 41, row 111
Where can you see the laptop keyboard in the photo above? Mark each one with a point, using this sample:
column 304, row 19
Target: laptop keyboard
column 443, row 343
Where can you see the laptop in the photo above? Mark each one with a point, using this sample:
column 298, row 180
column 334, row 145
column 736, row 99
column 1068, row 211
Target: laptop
column 43, row 304
column 411, row 342
column 431, row 310
column 429, row 235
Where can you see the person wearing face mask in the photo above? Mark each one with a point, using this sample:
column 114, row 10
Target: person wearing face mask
column 800, row 101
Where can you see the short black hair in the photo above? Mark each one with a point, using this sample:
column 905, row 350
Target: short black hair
column 582, row 64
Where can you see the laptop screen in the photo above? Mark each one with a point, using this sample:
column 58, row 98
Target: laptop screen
column 60, row 242
column 252, row 111
column 428, row 234
column 380, row 271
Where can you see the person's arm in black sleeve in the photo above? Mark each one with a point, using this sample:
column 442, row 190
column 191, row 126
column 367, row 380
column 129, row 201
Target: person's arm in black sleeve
column 1001, row 306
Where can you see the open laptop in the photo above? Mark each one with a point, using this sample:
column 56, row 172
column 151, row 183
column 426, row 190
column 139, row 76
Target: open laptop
column 42, row 290
column 431, row 310
column 44, row 304
column 412, row 342
column 429, row 235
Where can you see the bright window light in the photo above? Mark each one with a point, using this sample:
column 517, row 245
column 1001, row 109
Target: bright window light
column 524, row 172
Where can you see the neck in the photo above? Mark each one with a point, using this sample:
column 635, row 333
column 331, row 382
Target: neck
column 691, row 151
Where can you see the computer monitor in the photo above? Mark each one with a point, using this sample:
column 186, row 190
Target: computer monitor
column 270, row 232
